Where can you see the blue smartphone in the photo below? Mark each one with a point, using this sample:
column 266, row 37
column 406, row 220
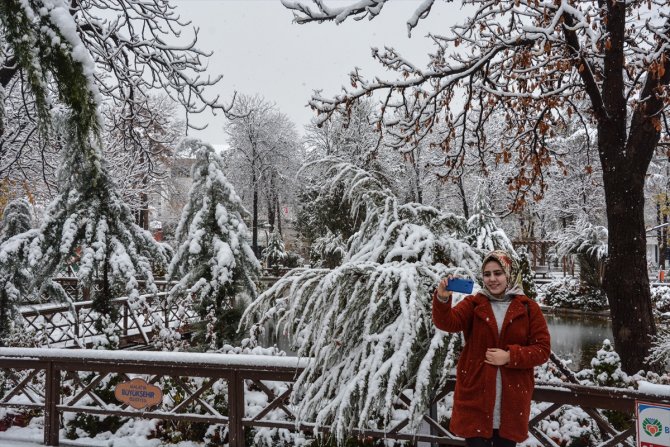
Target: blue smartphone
column 460, row 285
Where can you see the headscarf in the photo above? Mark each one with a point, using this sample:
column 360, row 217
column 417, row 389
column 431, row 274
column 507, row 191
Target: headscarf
column 512, row 272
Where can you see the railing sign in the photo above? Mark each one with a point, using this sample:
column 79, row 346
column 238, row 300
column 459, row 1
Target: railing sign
column 653, row 424
column 138, row 394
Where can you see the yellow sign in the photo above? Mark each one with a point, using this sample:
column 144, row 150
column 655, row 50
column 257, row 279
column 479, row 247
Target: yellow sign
column 138, row 394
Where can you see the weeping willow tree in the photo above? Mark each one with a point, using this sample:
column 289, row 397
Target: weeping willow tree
column 367, row 323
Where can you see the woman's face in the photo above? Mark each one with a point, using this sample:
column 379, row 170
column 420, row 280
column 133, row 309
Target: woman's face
column 494, row 278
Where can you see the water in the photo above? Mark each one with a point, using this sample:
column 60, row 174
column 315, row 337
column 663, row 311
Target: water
column 573, row 337
column 578, row 338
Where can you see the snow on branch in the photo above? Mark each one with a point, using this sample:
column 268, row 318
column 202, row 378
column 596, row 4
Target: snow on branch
column 358, row 10
column 532, row 62
column 582, row 238
column 367, row 323
column 213, row 261
column 88, row 225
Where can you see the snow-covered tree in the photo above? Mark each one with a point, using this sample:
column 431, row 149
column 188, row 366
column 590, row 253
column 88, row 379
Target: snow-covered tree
column 275, row 253
column 214, row 262
column 88, row 217
column 367, row 323
column 15, row 277
column 482, row 227
column 538, row 63
column 16, row 218
column 589, row 243
column 264, row 156
column 127, row 47
column 350, row 136
column 139, row 149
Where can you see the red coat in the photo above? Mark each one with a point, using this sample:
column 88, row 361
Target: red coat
column 528, row 344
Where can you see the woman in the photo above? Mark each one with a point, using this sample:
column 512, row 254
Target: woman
column 505, row 337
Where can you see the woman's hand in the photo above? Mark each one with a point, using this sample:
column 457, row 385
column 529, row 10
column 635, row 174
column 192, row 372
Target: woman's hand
column 442, row 293
column 497, row 357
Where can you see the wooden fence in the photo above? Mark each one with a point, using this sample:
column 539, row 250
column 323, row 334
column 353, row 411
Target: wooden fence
column 35, row 378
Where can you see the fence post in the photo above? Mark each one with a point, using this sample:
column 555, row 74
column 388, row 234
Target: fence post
column 235, row 410
column 432, row 412
column 125, row 318
column 51, row 398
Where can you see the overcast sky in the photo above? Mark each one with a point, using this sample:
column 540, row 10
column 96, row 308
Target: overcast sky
column 258, row 49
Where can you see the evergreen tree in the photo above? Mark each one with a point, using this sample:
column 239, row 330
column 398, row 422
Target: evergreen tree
column 367, row 323
column 275, row 253
column 589, row 243
column 527, row 277
column 213, row 262
column 483, row 231
column 484, row 234
column 88, row 217
column 15, row 277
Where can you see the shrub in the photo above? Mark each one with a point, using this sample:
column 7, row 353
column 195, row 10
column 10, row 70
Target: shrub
column 568, row 293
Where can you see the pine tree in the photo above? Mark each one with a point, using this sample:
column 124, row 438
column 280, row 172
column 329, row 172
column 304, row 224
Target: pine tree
column 367, row 323
column 275, row 253
column 483, row 231
column 213, row 262
column 15, row 278
column 88, row 218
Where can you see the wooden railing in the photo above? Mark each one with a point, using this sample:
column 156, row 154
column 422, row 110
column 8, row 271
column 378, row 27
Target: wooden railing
column 35, row 378
column 74, row 325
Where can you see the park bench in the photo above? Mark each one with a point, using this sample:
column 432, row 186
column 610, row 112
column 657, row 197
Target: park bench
column 541, row 270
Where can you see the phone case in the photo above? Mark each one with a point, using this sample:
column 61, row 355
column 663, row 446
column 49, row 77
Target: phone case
column 460, row 285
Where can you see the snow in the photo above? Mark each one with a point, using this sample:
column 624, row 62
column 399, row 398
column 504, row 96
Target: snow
column 182, row 358
column 653, row 388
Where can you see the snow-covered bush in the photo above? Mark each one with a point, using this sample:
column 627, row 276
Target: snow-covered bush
column 214, row 262
column 606, row 371
column 660, row 350
column 660, row 297
column 570, row 293
column 367, row 323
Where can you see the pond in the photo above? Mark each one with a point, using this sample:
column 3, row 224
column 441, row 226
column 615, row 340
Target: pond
column 578, row 338
column 573, row 337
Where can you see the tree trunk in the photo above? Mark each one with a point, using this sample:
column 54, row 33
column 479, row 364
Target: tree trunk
column 271, row 213
column 464, row 201
column 254, row 224
column 660, row 236
column 625, row 159
column 254, row 206
column 143, row 213
column 626, row 282
column 278, row 208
